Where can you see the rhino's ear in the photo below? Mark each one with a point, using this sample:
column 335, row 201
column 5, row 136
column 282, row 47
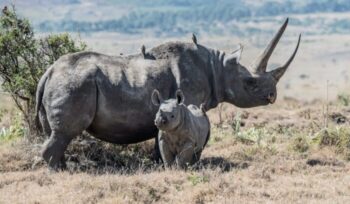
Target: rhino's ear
column 180, row 96
column 235, row 56
column 156, row 98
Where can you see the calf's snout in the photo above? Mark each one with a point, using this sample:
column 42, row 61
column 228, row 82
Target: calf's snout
column 160, row 121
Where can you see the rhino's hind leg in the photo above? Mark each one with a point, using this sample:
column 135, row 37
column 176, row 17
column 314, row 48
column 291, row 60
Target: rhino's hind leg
column 156, row 152
column 54, row 148
column 69, row 111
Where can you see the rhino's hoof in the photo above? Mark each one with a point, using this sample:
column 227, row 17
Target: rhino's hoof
column 61, row 166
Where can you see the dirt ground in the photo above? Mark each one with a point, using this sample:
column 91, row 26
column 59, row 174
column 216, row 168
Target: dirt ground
column 274, row 154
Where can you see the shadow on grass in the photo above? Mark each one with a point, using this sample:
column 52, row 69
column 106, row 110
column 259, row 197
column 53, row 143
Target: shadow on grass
column 132, row 165
column 219, row 163
column 99, row 158
column 89, row 155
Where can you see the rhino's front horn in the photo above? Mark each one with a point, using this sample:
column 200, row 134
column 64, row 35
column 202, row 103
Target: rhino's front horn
column 260, row 63
column 278, row 73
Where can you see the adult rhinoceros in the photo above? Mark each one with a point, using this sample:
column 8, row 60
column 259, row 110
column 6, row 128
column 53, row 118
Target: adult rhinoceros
column 109, row 96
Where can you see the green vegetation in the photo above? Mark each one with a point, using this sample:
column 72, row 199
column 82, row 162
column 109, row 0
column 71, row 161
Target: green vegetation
column 195, row 178
column 253, row 136
column 24, row 58
column 15, row 131
column 338, row 137
column 300, row 144
column 344, row 99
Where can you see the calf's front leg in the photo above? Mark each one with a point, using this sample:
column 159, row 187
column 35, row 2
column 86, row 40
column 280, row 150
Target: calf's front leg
column 185, row 157
column 166, row 153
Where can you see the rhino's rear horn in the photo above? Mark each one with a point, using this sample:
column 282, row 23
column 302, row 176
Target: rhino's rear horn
column 260, row 63
column 278, row 73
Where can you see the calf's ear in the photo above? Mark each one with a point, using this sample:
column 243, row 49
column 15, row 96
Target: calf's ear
column 156, row 98
column 180, row 96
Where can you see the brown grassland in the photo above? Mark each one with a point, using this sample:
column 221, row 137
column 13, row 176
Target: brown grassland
column 290, row 152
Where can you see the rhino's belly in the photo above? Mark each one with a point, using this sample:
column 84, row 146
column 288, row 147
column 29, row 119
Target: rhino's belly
column 123, row 135
column 123, row 126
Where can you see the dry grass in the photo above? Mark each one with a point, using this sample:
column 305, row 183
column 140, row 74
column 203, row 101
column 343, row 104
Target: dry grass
column 276, row 156
column 328, row 184
column 281, row 153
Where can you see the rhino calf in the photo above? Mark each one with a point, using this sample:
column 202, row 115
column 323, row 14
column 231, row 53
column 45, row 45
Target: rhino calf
column 183, row 130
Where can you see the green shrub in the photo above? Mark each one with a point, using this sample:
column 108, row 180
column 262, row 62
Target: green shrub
column 252, row 136
column 237, row 123
column 195, row 179
column 344, row 99
column 300, row 144
column 13, row 132
column 24, row 58
column 338, row 137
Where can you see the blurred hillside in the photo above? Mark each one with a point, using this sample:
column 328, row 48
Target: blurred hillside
column 177, row 17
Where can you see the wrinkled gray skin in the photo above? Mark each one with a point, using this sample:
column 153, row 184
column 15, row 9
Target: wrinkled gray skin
column 109, row 96
column 183, row 130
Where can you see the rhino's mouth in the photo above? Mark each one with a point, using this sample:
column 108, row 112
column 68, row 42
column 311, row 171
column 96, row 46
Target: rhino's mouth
column 271, row 99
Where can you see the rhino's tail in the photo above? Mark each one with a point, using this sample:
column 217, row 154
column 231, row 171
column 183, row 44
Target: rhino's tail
column 39, row 96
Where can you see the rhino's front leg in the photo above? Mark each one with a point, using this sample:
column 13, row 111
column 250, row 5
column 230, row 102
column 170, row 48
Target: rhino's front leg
column 156, row 152
column 185, row 157
column 166, row 153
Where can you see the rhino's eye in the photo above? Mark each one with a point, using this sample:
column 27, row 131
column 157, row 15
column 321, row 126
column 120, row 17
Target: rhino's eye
column 172, row 116
column 251, row 82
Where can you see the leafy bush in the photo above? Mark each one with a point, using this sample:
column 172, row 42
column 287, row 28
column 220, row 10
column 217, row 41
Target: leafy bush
column 24, row 58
